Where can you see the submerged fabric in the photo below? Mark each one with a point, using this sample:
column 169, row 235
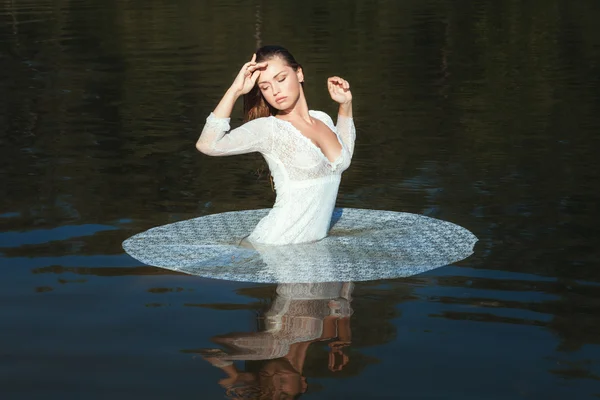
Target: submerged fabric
column 306, row 181
column 361, row 245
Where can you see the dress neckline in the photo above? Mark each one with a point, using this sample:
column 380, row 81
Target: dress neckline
column 312, row 144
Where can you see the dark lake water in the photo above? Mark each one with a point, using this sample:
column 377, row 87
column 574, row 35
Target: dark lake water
column 482, row 113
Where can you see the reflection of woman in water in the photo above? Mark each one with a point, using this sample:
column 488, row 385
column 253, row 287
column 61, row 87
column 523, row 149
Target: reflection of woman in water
column 300, row 315
column 305, row 151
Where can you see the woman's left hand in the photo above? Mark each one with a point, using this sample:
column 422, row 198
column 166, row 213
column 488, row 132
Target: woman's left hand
column 339, row 90
column 335, row 352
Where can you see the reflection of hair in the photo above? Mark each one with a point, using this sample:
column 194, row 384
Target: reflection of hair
column 263, row 386
column 255, row 105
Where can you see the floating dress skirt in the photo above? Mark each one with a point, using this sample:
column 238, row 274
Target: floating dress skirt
column 361, row 245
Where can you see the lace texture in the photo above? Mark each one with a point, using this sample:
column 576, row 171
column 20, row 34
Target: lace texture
column 362, row 245
column 306, row 181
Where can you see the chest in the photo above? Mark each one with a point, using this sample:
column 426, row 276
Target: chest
column 312, row 143
column 323, row 138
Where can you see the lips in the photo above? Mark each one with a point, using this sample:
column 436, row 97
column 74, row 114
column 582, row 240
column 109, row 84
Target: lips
column 280, row 99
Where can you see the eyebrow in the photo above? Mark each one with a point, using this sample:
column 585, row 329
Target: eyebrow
column 276, row 75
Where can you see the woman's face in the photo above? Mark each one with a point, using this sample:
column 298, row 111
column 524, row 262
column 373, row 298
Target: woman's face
column 280, row 84
column 280, row 380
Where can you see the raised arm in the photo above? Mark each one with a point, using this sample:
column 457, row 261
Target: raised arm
column 339, row 89
column 345, row 127
column 252, row 136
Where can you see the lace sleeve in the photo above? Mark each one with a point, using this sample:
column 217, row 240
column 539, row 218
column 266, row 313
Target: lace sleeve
column 347, row 132
column 250, row 137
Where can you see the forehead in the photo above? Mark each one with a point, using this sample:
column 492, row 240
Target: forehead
column 274, row 66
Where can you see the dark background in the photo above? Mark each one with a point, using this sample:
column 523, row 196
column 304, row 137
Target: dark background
column 483, row 113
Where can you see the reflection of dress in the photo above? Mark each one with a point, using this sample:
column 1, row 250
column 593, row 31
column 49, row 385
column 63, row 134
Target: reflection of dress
column 297, row 315
column 306, row 181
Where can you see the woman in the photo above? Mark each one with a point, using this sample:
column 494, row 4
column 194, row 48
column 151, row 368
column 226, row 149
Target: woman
column 305, row 151
column 306, row 154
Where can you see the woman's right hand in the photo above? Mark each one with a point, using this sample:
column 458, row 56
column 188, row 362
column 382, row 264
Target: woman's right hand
column 243, row 83
column 246, row 78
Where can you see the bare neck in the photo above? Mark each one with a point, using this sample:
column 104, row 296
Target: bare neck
column 298, row 112
column 297, row 355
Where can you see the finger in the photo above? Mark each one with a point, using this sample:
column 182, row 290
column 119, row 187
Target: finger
column 253, row 57
column 249, row 63
column 254, row 76
column 245, row 67
column 256, row 66
column 261, row 64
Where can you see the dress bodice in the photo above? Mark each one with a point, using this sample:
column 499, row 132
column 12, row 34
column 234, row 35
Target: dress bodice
column 306, row 181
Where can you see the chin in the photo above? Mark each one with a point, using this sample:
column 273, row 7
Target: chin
column 286, row 105
column 278, row 106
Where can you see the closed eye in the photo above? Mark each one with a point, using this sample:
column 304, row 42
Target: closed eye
column 263, row 88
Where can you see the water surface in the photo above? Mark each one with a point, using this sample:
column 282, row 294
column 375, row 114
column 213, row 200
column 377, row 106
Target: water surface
column 482, row 113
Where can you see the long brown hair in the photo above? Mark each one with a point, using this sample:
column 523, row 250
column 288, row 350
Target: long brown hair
column 255, row 105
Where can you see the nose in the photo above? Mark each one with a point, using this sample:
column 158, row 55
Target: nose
column 276, row 89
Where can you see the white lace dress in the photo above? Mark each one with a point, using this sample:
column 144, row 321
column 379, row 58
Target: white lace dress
column 306, row 181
